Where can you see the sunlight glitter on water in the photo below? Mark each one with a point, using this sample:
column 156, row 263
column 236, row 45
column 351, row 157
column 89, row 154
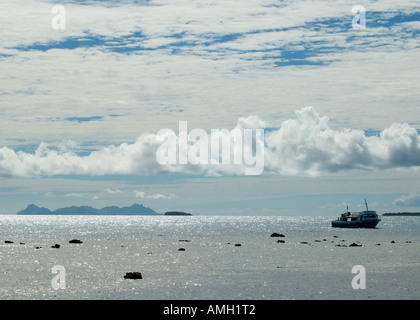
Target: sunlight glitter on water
column 223, row 257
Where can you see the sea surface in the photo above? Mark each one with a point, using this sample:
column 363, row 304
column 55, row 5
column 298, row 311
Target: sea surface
column 221, row 257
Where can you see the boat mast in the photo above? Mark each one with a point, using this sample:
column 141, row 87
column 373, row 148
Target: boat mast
column 367, row 209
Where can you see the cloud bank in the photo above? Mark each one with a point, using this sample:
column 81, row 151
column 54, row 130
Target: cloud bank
column 303, row 145
column 410, row 200
column 133, row 64
column 306, row 144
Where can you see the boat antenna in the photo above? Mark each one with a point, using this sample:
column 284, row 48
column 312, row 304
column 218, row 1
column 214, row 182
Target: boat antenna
column 367, row 209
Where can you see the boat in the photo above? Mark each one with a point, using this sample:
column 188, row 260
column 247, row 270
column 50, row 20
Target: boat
column 363, row 219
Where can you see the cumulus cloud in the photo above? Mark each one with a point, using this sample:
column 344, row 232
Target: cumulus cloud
column 307, row 144
column 155, row 196
column 126, row 158
column 303, row 145
column 410, row 200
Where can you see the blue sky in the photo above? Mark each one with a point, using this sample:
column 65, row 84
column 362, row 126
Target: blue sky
column 80, row 107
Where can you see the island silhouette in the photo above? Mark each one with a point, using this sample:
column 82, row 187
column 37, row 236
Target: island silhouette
column 133, row 210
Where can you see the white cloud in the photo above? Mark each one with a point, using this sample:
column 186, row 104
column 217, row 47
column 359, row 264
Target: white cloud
column 372, row 70
column 371, row 83
column 140, row 194
column 410, row 200
column 75, row 195
column 113, row 191
column 303, row 145
column 307, row 144
column 155, row 196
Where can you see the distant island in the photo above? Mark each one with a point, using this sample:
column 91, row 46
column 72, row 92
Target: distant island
column 177, row 213
column 134, row 210
column 402, row 214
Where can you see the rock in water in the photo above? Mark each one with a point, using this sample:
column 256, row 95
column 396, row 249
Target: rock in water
column 133, row 275
column 355, row 245
column 75, row 241
column 275, row 234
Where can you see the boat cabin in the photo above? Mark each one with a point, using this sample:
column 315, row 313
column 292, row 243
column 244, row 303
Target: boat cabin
column 355, row 216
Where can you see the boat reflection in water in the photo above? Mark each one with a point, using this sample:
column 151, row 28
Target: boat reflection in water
column 363, row 219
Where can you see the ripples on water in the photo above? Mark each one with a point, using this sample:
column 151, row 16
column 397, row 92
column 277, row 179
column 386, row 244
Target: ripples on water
column 60, row 228
column 211, row 267
column 252, row 223
column 32, row 226
column 149, row 225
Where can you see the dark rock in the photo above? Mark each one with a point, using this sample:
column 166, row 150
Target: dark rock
column 184, row 240
column 8, row 241
column 133, row 275
column 355, row 245
column 75, row 241
column 177, row 213
column 392, row 241
column 304, row 242
column 237, row 244
column 181, row 249
column 56, row 246
column 280, row 241
column 38, row 247
column 275, row 234
column 408, row 242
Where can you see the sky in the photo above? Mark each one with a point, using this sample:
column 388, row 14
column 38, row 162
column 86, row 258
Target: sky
column 88, row 87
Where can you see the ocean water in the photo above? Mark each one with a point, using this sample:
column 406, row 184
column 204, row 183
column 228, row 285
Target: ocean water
column 223, row 258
